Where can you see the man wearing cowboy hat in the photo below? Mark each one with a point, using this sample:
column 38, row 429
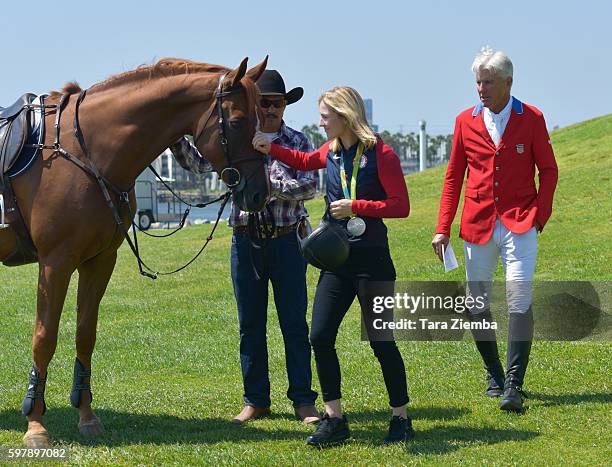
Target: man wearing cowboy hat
column 278, row 261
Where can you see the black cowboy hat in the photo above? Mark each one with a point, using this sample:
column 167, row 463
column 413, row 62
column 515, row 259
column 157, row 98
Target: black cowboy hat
column 271, row 83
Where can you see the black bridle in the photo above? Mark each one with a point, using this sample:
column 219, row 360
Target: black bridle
column 230, row 175
column 261, row 227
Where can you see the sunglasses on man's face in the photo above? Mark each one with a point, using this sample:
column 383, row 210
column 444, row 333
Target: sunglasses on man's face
column 266, row 103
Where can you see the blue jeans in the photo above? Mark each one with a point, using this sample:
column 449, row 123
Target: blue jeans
column 281, row 263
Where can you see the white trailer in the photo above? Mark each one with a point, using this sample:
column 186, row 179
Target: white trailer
column 147, row 198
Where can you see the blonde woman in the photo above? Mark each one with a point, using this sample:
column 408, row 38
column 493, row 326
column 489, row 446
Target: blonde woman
column 364, row 185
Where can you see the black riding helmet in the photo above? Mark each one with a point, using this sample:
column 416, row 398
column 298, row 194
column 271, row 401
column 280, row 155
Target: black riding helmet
column 325, row 247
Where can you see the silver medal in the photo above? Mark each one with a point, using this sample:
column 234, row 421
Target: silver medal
column 356, row 226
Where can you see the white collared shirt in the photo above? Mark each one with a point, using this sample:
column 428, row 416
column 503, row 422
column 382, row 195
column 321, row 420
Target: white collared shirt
column 496, row 123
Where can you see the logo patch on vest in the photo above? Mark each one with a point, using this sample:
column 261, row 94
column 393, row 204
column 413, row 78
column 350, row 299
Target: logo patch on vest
column 520, row 148
column 363, row 162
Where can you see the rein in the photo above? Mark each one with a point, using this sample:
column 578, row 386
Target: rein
column 185, row 214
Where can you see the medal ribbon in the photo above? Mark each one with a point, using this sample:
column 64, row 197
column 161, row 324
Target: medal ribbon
column 353, row 193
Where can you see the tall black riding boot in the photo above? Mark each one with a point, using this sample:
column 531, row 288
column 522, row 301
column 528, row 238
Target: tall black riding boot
column 486, row 343
column 520, row 336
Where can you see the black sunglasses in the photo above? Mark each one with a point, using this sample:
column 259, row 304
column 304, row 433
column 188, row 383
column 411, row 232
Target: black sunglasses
column 265, row 103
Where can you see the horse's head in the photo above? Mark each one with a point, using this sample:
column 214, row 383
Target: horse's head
column 226, row 138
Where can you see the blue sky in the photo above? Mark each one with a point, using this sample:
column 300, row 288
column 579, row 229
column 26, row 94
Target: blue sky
column 412, row 58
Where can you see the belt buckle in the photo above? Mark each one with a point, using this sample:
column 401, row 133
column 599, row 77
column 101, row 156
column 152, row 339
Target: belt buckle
column 284, row 229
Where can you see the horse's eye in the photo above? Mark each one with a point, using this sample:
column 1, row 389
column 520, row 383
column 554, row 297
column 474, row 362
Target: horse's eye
column 235, row 124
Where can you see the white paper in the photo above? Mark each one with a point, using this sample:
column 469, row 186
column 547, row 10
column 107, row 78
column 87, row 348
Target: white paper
column 450, row 260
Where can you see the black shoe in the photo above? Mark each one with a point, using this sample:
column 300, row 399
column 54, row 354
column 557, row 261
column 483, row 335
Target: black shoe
column 512, row 400
column 400, row 429
column 330, row 431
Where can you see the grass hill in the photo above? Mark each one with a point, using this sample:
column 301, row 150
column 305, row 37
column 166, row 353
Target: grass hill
column 166, row 375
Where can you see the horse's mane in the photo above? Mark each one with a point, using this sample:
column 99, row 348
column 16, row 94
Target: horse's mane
column 69, row 88
column 164, row 67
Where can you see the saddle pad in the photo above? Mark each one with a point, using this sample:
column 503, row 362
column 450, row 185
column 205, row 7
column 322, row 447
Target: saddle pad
column 28, row 155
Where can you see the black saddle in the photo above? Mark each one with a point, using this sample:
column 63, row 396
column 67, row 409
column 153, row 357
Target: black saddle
column 15, row 125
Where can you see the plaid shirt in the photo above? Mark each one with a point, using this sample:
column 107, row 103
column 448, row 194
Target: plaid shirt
column 289, row 187
column 189, row 158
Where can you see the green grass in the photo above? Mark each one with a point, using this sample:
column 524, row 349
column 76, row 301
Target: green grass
column 167, row 376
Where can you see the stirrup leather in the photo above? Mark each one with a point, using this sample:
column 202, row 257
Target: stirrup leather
column 2, row 224
column 32, row 394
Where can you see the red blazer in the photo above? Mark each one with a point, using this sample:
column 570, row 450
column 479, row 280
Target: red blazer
column 500, row 180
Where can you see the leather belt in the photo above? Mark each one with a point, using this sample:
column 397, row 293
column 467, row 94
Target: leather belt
column 280, row 230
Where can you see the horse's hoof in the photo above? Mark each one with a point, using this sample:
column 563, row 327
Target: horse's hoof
column 37, row 440
column 91, row 428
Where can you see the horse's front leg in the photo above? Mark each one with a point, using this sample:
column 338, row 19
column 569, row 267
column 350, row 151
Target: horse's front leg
column 93, row 279
column 53, row 280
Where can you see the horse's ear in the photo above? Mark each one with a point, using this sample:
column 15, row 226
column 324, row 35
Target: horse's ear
column 255, row 72
column 237, row 74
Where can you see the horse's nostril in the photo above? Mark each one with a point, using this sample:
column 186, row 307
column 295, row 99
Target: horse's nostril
column 256, row 198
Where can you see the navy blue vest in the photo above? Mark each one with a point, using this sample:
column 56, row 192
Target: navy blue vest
column 368, row 188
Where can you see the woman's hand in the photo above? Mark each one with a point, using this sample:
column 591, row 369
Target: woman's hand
column 341, row 208
column 261, row 143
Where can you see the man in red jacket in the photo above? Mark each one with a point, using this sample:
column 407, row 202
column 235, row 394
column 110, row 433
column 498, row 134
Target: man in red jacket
column 500, row 142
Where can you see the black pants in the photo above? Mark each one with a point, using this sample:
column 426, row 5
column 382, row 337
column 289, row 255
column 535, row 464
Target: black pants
column 334, row 296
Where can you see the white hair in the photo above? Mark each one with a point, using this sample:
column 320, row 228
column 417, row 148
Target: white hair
column 496, row 62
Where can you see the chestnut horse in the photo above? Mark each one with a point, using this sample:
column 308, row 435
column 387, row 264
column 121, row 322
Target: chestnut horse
column 125, row 122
